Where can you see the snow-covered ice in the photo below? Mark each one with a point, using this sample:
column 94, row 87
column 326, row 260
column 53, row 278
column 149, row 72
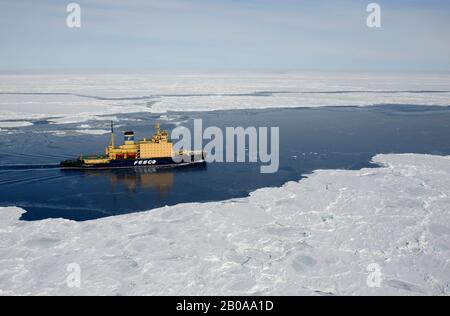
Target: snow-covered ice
column 316, row 236
column 93, row 131
column 78, row 98
column 14, row 124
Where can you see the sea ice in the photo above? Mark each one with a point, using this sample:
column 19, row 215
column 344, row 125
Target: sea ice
column 14, row 124
column 93, row 131
column 317, row 236
column 78, row 98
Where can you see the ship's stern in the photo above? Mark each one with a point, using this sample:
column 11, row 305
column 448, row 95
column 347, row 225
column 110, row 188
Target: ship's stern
column 72, row 163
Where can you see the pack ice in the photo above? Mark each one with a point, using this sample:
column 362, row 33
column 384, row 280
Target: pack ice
column 318, row 236
column 77, row 98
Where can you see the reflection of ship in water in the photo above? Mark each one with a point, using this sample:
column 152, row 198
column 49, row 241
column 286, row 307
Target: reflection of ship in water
column 159, row 181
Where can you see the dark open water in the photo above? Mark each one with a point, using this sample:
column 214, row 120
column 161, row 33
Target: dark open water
column 322, row 138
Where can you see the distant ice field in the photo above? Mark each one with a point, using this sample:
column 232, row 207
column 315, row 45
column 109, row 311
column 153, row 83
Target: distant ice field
column 78, row 98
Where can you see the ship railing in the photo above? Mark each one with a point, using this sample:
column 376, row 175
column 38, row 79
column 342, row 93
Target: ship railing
column 93, row 157
column 190, row 152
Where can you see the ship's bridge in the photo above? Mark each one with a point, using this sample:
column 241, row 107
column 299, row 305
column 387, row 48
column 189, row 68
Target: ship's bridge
column 157, row 147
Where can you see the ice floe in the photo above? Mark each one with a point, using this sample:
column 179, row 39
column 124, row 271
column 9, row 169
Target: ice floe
column 318, row 236
column 14, row 124
column 93, row 131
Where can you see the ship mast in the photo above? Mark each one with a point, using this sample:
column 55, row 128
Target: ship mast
column 112, row 134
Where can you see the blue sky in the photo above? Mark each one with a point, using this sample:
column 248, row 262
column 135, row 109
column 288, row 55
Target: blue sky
column 229, row 35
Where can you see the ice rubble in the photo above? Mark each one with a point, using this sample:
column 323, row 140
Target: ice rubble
column 78, row 98
column 312, row 237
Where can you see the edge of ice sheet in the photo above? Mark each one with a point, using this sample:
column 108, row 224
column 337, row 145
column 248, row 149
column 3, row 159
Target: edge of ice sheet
column 317, row 236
